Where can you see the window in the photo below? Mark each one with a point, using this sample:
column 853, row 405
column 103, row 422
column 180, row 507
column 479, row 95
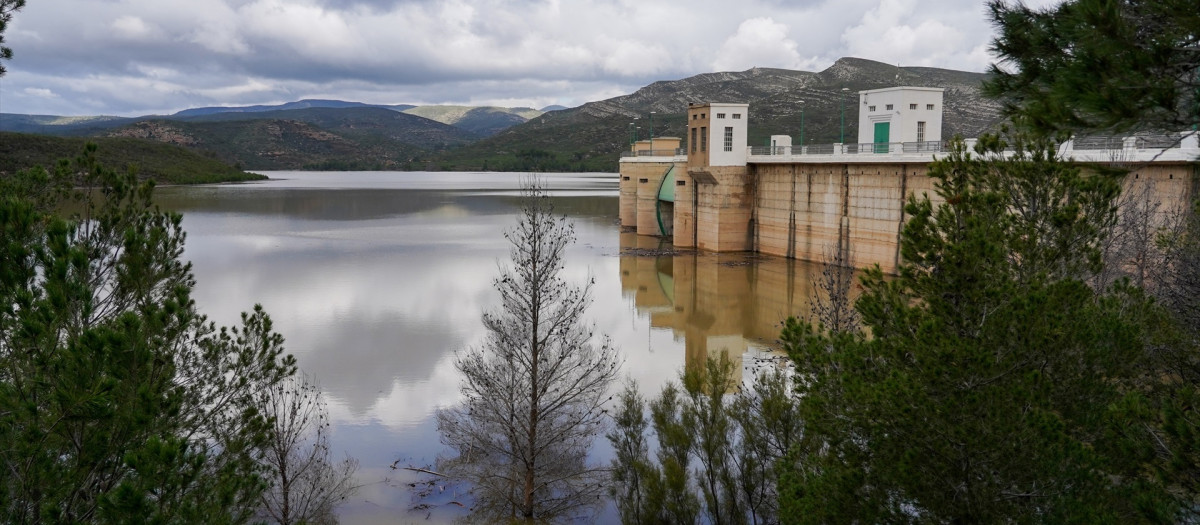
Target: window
column 693, row 141
column 728, row 138
column 912, row 106
column 889, row 107
column 703, row 139
column 737, row 115
column 695, row 116
column 702, row 116
column 929, row 107
column 920, row 132
column 720, row 115
column 870, row 108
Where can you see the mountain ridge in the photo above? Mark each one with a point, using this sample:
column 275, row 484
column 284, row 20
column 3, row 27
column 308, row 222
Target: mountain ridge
column 589, row 137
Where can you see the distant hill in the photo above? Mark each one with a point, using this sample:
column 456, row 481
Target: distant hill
column 164, row 163
column 300, row 104
column 59, row 125
column 591, row 136
column 292, row 143
column 363, row 122
column 484, row 121
column 555, row 107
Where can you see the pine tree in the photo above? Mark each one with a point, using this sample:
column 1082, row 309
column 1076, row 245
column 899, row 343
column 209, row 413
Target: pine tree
column 994, row 384
column 118, row 401
column 1099, row 65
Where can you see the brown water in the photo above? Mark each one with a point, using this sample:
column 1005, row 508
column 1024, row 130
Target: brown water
column 376, row 278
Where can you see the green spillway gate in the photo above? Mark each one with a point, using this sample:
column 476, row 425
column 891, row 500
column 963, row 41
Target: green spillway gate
column 666, row 193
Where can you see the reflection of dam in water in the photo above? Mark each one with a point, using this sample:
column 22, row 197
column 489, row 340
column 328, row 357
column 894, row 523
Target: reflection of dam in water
column 732, row 303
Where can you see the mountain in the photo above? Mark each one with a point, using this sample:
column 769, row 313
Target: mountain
column 486, row 120
column 591, row 136
column 318, row 139
column 555, row 107
column 300, row 104
column 363, row 122
column 59, row 125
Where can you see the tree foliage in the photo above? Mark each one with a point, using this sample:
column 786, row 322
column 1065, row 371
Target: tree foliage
column 735, row 443
column 7, row 8
column 534, row 390
column 1099, row 65
column 1093, row 66
column 118, row 400
column 995, row 384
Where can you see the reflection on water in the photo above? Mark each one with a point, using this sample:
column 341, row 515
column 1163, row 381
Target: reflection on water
column 731, row 303
column 376, row 279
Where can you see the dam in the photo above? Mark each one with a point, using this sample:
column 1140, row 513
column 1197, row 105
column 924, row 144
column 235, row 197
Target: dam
column 714, row 193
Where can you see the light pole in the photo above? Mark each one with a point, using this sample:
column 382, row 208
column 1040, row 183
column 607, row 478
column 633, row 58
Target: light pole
column 651, row 131
column 844, row 91
column 802, row 126
column 629, row 135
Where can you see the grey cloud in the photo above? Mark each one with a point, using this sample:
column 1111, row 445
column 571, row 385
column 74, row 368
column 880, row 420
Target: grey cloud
column 171, row 55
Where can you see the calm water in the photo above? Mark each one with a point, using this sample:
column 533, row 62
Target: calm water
column 376, row 278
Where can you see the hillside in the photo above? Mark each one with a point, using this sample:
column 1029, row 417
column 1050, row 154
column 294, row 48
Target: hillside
column 486, row 121
column 165, row 163
column 591, row 137
column 299, row 104
column 371, row 124
column 279, row 144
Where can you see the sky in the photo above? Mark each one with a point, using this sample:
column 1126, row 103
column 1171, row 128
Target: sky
column 141, row 57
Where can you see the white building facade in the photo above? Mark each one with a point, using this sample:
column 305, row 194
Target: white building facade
column 728, row 125
column 900, row 114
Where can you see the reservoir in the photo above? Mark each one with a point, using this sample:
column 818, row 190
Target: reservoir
column 375, row 279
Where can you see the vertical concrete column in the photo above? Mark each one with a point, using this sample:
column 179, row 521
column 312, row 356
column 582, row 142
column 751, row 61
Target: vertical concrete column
column 685, row 210
column 628, row 195
column 724, row 210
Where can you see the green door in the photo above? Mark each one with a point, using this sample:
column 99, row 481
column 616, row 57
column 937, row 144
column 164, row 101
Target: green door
column 882, row 130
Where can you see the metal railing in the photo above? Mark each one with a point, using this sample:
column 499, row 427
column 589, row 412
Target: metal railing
column 1144, row 141
column 1089, row 144
column 868, row 148
column 655, row 153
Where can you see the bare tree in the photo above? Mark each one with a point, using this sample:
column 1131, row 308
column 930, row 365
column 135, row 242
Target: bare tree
column 833, row 293
column 306, row 486
column 534, row 389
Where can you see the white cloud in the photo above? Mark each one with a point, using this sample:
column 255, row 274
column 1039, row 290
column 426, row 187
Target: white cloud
column 134, row 28
column 908, row 33
column 40, row 92
column 759, row 42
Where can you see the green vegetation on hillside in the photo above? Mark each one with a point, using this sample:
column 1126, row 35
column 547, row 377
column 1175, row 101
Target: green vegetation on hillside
column 164, row 163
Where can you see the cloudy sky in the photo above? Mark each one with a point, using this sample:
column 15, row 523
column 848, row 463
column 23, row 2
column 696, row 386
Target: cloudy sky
column 136, row 57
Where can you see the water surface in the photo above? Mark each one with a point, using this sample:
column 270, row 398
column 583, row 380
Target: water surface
column 375, row 279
